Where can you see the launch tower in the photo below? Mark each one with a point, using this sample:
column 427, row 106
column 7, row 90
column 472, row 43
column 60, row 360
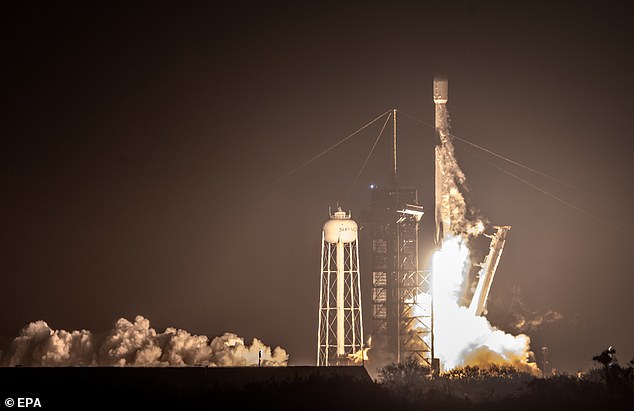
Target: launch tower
column 401, row 292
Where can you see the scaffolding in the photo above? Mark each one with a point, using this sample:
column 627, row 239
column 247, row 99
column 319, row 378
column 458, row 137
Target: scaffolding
column 401, row 292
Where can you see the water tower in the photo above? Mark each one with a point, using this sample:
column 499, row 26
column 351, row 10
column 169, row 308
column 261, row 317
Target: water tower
column 340, row 335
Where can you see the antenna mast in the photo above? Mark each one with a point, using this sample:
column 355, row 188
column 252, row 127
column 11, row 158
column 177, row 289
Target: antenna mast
column 394, row 170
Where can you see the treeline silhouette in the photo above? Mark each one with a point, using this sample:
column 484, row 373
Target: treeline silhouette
column 402, row 386
column 503, row 387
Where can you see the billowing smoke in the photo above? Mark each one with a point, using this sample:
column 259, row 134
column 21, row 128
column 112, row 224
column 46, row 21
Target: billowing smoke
column 462, row 337
column 136, row 344
column 511, row 312
column 451, row 207
column 534, row 320
column 524, row 319
column 38, row 344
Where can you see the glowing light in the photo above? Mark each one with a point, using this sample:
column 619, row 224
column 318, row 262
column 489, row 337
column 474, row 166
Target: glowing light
column 461, row 337
column 359, row 356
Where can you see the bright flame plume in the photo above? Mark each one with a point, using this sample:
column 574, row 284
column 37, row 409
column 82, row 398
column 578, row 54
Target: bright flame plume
column 461, row 337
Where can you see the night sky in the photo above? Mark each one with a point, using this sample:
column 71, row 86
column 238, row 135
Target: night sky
column 146, row 152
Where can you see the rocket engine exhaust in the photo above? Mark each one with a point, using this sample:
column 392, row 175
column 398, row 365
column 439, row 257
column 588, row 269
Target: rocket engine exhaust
column 463, row 336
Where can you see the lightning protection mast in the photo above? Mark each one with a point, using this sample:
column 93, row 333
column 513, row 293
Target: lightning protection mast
column 401, row 299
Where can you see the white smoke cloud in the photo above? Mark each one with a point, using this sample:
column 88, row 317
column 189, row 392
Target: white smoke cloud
column 51, row 347
column 229, row 349
column 135, row 344
column 461, row 337
column 455, row 216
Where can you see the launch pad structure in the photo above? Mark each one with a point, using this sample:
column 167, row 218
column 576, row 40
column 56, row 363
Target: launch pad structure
column 402, row 307
column 402, row 321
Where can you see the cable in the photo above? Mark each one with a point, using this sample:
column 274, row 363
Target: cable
column 416, row 119
column 495, row 154
column 296, row 169
column 368, row 157
column 553, row 196
column 528, row 183
column 515, row 162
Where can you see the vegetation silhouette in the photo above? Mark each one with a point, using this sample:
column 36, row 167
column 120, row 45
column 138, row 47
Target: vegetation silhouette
column 504, row 387
column 400, row 386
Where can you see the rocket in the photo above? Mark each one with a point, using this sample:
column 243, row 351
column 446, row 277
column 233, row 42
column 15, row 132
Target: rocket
column 441, row 95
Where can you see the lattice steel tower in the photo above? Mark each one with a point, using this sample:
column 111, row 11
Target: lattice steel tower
column 340, row 335
column 402, row 322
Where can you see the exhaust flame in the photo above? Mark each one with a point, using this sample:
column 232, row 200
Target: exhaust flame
column 136, row 344
column 360, row 356
column 461, row 337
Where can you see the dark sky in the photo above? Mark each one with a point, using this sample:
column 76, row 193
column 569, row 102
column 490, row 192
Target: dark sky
column 144, row 149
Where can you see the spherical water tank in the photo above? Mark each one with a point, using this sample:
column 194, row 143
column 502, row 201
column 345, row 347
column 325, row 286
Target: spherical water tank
column 340, row 227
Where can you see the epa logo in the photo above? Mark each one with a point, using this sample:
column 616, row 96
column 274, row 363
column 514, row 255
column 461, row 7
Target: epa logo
column 23, row 402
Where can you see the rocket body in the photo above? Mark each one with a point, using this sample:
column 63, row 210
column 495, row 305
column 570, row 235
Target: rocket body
column 441, row 96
